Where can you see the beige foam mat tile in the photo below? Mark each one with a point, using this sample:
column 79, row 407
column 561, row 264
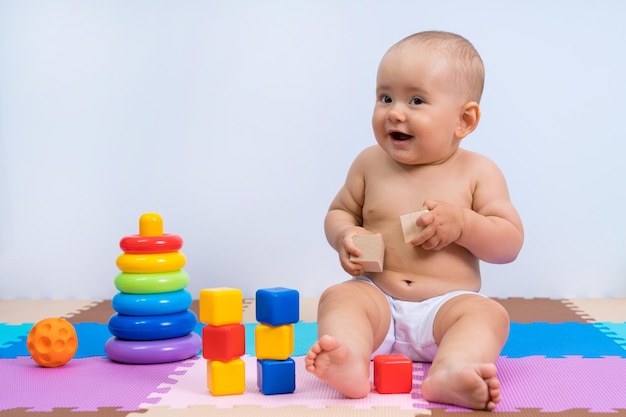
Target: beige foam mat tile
column 66, row 412
column 611, row 310
column 288, row 411
column 308, row 310
column 31, row 311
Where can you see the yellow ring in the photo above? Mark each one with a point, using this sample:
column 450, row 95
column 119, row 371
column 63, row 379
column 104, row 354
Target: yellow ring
column 146, row 263
column 151, row 283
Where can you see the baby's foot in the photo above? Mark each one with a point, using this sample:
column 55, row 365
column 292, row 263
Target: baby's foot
column 334, row 363
column 469, row 386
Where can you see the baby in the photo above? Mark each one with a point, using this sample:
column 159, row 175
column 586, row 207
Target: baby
column 425, row 303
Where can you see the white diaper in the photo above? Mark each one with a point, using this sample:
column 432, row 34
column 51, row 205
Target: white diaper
column 411, row 330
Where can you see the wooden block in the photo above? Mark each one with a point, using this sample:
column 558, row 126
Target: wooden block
column 409, row 226
column 372, row 252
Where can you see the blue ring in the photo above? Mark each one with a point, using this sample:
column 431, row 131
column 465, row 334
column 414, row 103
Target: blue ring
column 154, row 351
column 165, row 326
column 152, row 304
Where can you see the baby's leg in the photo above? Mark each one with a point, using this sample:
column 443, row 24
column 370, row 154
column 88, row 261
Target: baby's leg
column 353, row 320
column 470, row 331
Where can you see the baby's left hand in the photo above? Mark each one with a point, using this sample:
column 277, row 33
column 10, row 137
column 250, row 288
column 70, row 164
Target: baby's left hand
column 442, row 225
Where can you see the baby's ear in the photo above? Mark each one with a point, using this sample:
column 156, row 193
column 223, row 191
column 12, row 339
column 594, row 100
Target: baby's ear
column 468, row 120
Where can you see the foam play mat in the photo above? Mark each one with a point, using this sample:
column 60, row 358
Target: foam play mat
column 563, row 358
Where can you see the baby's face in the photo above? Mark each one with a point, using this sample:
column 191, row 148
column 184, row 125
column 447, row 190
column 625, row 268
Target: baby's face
column 418, row 108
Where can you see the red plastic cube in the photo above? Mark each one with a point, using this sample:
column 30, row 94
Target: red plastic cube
column 223, row 343
column 393, row 374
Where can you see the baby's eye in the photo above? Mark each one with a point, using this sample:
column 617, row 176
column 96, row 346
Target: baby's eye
column 385, row 99
column 417, row 100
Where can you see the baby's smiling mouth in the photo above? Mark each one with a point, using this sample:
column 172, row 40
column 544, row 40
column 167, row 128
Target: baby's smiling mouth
column 399, row 136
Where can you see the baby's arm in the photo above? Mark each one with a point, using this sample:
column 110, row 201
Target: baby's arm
column 491, row 229
column 339, row 231
column 344, row 218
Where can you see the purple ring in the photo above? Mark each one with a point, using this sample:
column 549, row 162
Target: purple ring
column 153, row 351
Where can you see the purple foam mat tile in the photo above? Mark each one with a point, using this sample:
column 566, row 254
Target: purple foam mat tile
column 82, row 384
column 68, row 412
column 553, row 384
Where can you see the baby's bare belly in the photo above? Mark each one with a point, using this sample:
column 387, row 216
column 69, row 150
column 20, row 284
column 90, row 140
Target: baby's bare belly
column 412, row 288
column 428, row 276
column 413, row 274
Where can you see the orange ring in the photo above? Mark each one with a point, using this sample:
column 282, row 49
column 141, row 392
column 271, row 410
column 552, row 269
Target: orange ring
column 151, row 244
column 151, row 262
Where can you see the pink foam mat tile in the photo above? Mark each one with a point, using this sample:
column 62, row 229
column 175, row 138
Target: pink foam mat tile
column 190, row 389
column 552, row 385
column 82, row 384
column 282, row 411
column 555, row 384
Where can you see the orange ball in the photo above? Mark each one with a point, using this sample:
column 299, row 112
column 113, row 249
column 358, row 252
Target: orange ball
column 52, row 342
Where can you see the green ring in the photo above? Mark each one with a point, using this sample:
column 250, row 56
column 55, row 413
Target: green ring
column 151, row 283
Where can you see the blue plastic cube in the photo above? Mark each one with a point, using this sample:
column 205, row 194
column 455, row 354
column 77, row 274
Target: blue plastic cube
column 276, row 377
column 277, row 306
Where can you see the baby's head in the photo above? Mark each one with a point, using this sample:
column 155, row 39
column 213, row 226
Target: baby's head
column 460, row 53
column 428, row 90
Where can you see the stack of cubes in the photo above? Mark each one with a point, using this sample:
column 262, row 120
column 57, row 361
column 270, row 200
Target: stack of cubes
column 223, row 340
column 153, row 323
column 277, row 310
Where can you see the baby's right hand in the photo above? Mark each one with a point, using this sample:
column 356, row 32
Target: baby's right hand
column 347, row 248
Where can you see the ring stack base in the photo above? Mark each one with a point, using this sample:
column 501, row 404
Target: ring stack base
column 152, row 352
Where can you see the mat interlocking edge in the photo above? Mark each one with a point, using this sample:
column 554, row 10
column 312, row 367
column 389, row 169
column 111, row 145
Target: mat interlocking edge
column 604, row 318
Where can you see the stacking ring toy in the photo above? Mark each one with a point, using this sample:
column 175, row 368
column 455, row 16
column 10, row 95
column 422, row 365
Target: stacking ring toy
column 165, row 326
column 151, row 283
column 147, row 263
column 155, row 351
column 151, row 304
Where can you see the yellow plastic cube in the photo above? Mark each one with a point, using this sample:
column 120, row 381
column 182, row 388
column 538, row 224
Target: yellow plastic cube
column 274, row 342
column 226, row 378
column 221, row 306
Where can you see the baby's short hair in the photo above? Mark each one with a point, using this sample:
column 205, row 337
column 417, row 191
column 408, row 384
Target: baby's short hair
column 470, row 69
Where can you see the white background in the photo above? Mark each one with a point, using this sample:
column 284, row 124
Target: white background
column 237, row 121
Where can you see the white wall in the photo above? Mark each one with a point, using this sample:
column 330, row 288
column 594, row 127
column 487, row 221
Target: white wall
column 237, row 121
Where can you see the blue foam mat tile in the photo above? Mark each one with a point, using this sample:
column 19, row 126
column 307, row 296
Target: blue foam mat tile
column 93, row 336
column 615, row 331
column 11, row 333
column 560, row 340
column 535, row 339
column 91, row 340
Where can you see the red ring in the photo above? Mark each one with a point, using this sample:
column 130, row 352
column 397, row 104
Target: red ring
column 151, row 244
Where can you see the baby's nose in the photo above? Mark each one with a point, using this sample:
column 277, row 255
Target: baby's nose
column 396, row 114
